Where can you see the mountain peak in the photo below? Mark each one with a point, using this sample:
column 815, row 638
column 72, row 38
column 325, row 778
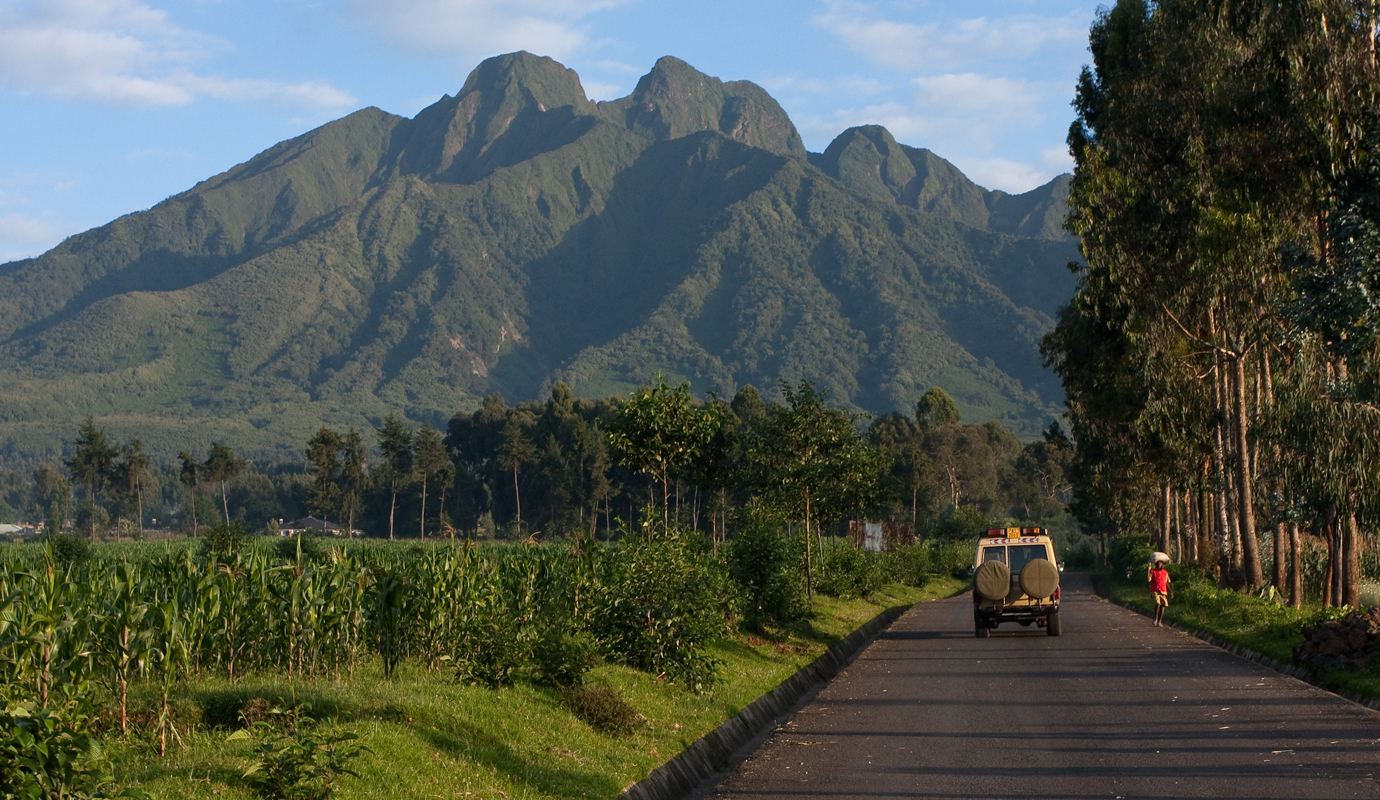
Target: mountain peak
column 465, row 137
column 675, row 100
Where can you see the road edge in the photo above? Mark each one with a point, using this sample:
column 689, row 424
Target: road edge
column 714, row 752
column 1292, row 670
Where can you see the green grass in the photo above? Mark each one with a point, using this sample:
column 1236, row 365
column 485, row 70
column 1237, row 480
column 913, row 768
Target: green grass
column 1250, row 621
column 433, row 737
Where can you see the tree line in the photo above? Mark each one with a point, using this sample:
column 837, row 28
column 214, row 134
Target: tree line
column 1220, row 357
column 570, row 467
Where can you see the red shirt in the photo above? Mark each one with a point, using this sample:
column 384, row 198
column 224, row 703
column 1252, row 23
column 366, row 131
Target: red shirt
column 1159, row 580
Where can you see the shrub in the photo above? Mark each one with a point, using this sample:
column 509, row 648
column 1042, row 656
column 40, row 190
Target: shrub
column 910, row 564
column 49, row 752
column 67, row 549
column 298, row 758
column 224, row 540
column 847, row 571
column 562, row 656
column 602, row 708
column 307, row 546
column 657, row 604
column 765, row 565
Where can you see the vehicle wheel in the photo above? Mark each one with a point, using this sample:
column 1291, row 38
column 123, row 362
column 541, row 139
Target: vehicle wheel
column 1052, row 624
column 980, row 628
column 992, row 580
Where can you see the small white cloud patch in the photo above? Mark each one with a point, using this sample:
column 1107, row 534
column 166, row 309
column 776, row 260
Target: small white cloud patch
column 473, row 29
column 125, row 53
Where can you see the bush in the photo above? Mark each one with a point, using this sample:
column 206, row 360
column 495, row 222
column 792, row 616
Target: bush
column 766, row 566
column 911, row 565
column 847, row 571
column 68, row 549
column 602, row 708
column 49, row 752
column 224, row 540
column 298, row 758
column 562, row 656
column 307, row 545
column 657, row 604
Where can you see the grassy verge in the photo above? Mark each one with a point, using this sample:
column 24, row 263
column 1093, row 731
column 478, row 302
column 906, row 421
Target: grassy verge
column 432, row 737
column 1245, row 620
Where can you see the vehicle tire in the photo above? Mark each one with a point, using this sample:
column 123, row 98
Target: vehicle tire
column 1039, row 578
column 980, row 627
column 1052, row 624
column 993, row 580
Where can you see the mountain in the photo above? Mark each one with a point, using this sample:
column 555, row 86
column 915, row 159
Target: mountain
column 517, row 234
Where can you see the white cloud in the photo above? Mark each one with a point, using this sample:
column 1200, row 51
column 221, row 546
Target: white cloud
column 22, row 237
column 478, row 28
column 946, row 45
column 1057, row 159
column 125, row 53
column 1012, row 177
column 993, row 99
column 852, row 86
column 602, row 91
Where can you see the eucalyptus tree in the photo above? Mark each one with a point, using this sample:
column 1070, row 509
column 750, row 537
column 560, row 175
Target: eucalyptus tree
column 323, row 462
column 430, row 458
column 189, row 475
column 352, row 477
column 516, row 451
column 222, row 466
column 395, row 440
column 93, row 465
column 55, row 493
column 811, row 462
column 660, row 431
column 133, row 471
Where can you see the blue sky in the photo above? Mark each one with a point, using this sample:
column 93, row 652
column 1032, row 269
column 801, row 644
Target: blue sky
column 109, row 106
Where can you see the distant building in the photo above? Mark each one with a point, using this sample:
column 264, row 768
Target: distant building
column 320, row 527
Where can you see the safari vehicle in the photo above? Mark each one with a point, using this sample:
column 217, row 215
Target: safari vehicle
column 1015, row 579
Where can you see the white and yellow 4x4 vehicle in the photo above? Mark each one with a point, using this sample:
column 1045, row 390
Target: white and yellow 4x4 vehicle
column 1015, row 579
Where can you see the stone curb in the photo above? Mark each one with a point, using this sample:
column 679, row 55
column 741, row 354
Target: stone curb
column 712, row 752
column 1292, row 670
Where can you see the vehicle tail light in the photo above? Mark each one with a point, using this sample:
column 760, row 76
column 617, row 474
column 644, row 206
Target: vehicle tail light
column 1055, row 596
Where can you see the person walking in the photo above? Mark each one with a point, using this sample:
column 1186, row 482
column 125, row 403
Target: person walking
column 1162, row 590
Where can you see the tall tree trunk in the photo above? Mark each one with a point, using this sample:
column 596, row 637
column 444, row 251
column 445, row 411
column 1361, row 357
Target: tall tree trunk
column 1250, row 545
column 1178, row 528
column 1295, row 566
column 139, row 498
column 1351, row 562
column 1219, row 463
column 423, row 525
column 224, row 503
column 1204, row 526
column 392, row 507
column 1166, row 497
column 517, row 496
column 809, row 566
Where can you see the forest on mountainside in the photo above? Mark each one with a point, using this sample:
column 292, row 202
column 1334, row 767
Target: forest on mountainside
column 1221, row 358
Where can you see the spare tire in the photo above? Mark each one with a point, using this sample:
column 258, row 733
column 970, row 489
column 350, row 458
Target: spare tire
column 1039, row 578
column 993, row 580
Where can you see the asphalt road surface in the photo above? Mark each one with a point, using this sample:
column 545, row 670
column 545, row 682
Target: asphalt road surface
column 1113, row 708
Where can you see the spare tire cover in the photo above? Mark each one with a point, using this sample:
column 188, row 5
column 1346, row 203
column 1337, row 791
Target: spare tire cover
column 1039, row 578
column 993, row 580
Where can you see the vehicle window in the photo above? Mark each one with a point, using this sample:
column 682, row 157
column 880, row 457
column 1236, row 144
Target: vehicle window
column 1024, row 554
column 994, row 554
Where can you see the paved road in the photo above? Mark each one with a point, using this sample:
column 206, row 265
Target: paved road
column 1113, row 708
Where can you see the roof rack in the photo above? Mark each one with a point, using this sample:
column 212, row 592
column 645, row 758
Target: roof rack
column 998, row 533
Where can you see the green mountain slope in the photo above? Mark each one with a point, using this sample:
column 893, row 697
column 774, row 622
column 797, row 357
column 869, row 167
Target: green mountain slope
column 518, row 234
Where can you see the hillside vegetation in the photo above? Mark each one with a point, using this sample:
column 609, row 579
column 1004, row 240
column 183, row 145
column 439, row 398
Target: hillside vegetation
column 518, row 234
